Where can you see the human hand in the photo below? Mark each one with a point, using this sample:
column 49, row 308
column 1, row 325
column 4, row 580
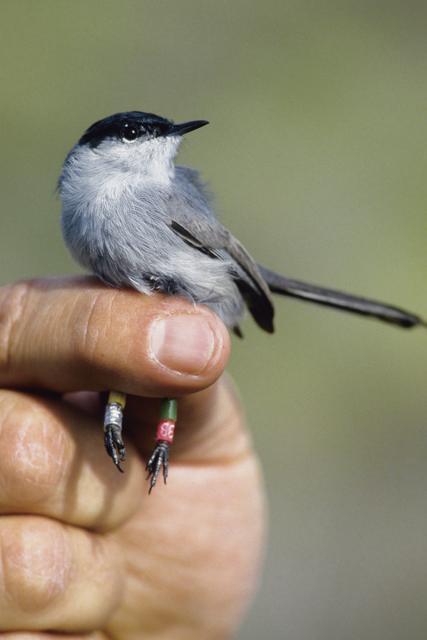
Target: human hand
column 83, row 549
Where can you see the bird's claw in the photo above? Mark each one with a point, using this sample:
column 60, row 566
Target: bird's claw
column 114, row 444
column 158, row 461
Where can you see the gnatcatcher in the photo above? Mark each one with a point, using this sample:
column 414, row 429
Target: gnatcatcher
column 134, row 219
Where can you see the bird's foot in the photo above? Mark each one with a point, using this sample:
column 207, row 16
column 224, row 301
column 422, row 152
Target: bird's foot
column 114, row 445
column 159, row 461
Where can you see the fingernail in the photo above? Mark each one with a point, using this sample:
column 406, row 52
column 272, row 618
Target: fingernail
column 183, row 343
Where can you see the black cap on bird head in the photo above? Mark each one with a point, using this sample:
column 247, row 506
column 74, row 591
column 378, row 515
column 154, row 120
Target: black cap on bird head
column 131, row 125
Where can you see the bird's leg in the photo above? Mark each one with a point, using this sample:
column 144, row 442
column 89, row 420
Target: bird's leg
column 113, row 420
column 159, row 459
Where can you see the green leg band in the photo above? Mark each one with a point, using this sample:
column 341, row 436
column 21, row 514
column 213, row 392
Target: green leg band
column 169, row 409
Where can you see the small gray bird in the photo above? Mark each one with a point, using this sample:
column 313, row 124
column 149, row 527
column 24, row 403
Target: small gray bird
column 134, row 219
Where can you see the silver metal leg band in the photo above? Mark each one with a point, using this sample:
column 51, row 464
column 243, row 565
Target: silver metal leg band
column 113, row 415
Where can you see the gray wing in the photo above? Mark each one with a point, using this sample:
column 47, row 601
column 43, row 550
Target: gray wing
column 212, row 238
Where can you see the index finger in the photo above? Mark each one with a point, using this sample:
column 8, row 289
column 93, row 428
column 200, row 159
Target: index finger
column 73, row 334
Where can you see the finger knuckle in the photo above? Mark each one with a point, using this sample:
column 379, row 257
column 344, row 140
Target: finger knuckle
column 33, row 450
column 36, row 563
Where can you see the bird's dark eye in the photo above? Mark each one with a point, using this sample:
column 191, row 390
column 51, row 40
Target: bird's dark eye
column 129, row 132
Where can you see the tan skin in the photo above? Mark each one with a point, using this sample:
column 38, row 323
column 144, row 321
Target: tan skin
column 84, row 550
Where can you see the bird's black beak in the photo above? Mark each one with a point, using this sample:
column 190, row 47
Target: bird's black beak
column 186, row 127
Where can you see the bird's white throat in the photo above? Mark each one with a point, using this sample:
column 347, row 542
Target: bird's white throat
column 114, row 167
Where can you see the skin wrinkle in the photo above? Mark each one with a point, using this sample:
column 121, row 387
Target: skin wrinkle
column 74, row 321
column 214, row 462
column 227, row 398
column 78, row 329
column 91, row 331
column 38, row 326
column 98, row 553
column 5, row 418
column 12, row 309
column 105, row 554
column 71, row 324
column 110, row 315
column 53, row 319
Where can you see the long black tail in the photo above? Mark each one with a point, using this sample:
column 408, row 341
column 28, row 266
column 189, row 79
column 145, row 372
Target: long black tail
column 340, row 300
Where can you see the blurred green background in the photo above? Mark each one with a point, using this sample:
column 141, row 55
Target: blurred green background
column 317, row 153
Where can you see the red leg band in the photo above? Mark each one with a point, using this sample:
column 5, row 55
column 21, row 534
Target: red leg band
column 165, row 431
